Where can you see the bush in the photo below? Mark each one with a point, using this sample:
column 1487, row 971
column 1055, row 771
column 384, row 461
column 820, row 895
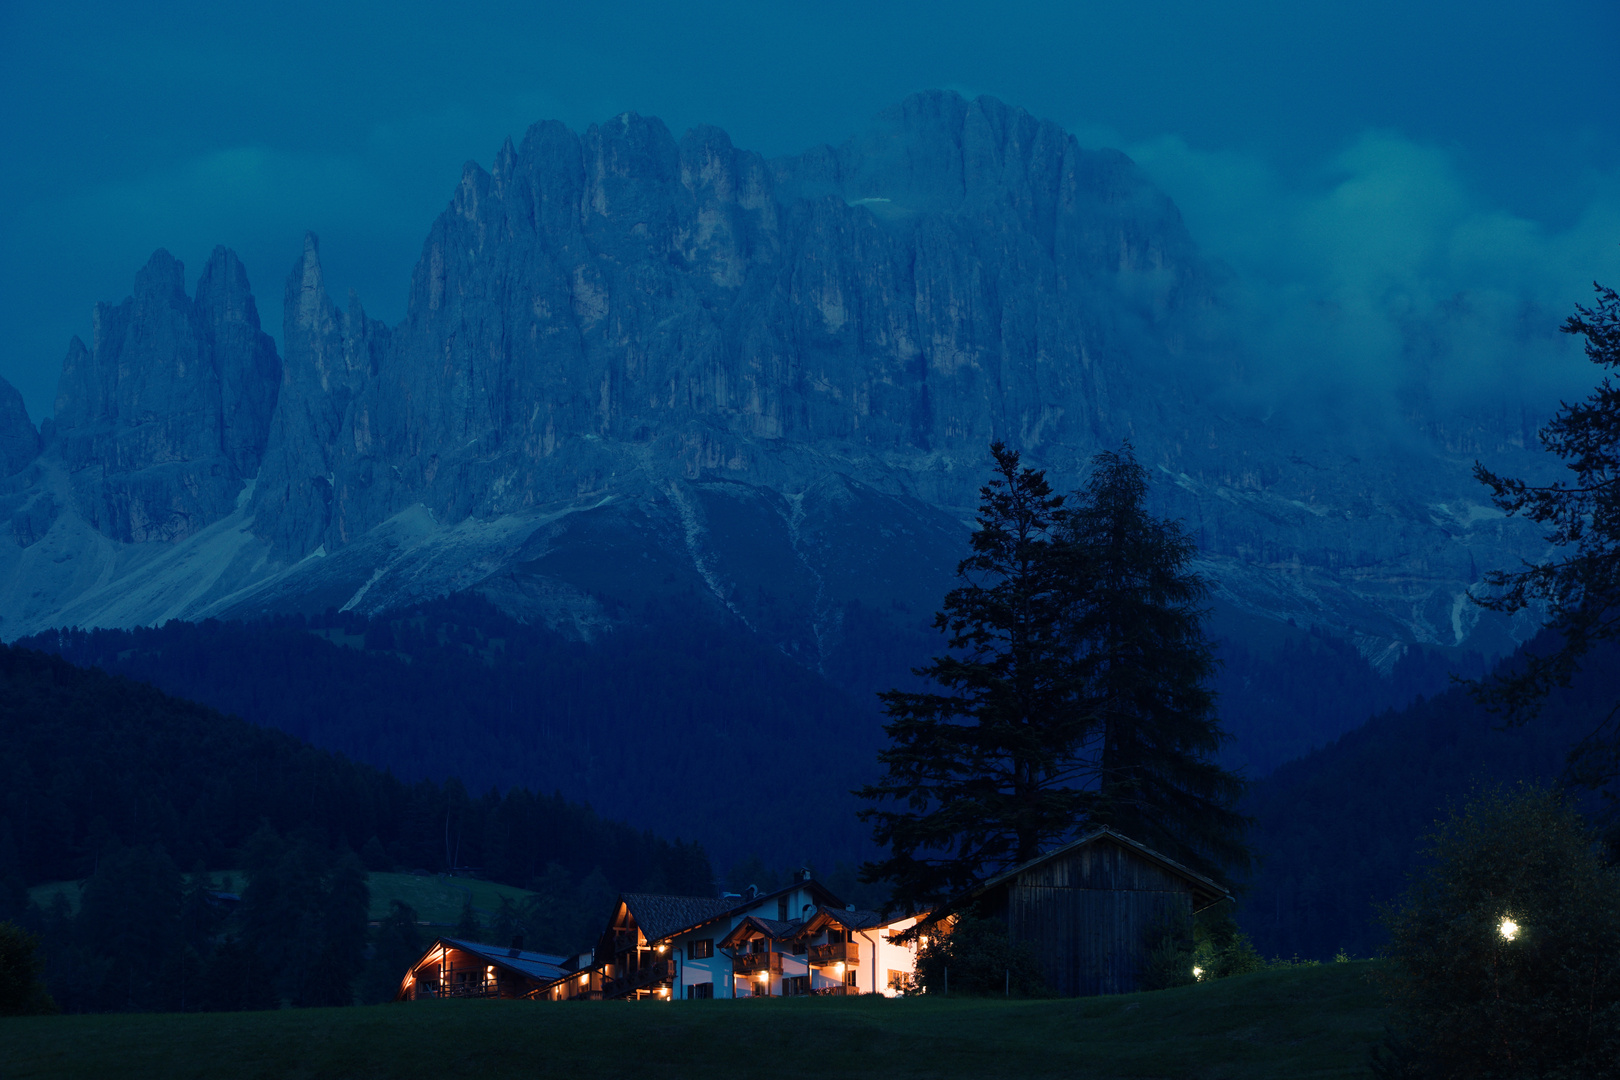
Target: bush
column 22, row 992
column 1505, row 958
column 981, row 961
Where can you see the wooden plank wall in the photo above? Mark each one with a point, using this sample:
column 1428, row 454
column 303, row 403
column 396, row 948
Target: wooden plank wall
column 1088, row 916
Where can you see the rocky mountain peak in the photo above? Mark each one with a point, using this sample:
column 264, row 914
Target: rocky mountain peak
column 164, row 416
column 19, row 441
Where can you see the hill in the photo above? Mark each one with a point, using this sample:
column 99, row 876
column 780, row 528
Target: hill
column 96, row 763
column 1337, row 830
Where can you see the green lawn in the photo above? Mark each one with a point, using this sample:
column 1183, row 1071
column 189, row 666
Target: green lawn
column 1289, row 1023
column 437, row 899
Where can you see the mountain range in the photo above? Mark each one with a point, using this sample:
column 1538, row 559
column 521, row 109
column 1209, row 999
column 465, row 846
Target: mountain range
column 636, row 369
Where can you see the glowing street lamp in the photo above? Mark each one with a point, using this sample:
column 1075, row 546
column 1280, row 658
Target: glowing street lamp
column 1509, row 929
column 1198, row 974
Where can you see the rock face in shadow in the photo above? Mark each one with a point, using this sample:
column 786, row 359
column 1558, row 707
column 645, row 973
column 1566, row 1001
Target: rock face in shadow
column 636, row 367
column 619, row 303
column 19, row 439
column 163, row 416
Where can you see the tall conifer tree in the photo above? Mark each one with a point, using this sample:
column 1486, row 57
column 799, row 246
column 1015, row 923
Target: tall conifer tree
column 1137, row 632
column 1073, row 694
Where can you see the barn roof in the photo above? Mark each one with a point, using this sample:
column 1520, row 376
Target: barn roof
column 1205, row 891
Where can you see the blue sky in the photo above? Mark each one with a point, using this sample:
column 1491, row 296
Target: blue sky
column 1382, row 157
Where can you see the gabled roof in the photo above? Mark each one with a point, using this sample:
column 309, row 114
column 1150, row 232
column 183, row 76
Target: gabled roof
column 775, row 929
column 1205, row 891
column 849, row 920
column 531, row 965
column 660, row 916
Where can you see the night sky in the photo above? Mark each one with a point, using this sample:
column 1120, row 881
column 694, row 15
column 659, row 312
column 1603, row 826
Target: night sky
column 1386, row 158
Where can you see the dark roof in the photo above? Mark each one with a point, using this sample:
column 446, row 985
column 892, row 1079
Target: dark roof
column 1203, row 888
column 850, row 920
column 775, row 929
column 533, row 965
column 660, row 916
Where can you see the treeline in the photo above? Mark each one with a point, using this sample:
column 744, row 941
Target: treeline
column 94, row 764
column 1336, row 832
column 1285, row 692
column 678, row 720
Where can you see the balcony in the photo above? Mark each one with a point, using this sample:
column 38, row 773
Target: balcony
column 749, row 963
column 835, row 991
column 839, row 952
column 648, row 975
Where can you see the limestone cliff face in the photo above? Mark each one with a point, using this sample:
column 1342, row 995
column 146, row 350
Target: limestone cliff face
column 19, row 440
column 161, row 418
column 636, row 367
column 619, row 303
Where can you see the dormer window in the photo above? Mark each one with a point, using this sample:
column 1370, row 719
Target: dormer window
column 781, row 909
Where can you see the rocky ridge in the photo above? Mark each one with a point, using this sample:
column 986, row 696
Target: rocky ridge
column 637, row 366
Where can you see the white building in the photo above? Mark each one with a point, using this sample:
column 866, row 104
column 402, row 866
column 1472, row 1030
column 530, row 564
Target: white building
column 797, row 940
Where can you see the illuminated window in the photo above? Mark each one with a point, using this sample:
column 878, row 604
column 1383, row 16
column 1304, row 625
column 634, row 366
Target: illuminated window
column 899, row 980
column 849, row 977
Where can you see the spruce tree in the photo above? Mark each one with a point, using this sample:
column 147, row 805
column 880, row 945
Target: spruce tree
column 1578, row 587
column 1073, row 695
column 1137, row 635
column 986, row 770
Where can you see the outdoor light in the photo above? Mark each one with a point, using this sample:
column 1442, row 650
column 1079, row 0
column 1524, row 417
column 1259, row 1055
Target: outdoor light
column 1198, row 973
column 1509, row 929
column 839, row 967
column 584, row 977
column 661, row 948
column 763, row 976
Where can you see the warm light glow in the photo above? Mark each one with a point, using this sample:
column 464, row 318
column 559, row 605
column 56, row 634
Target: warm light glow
column 1198, row 973
column 922, row 942
column 584, row 977
column 663, row 991
column 839, row 967
column 661, row 948
column 763, row 976
column 1509, row 929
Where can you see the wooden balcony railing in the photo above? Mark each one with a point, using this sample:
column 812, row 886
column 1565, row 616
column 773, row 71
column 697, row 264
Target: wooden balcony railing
column 835, row 991
column 750, row 962
column 839, row 952
column 649, row 974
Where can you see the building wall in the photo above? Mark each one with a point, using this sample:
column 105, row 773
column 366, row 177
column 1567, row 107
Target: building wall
column 1089, row 916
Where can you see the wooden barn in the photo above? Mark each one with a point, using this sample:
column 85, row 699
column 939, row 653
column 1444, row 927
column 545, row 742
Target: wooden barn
column 1088, row 909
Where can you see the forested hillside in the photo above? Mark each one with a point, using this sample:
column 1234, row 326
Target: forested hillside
column 1336, row 832
column 95, row 763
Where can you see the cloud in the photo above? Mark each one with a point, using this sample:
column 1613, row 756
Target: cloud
column 1382, row 276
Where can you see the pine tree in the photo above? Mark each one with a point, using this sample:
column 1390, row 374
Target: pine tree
column 986, row 772
column 1073, row 695
column 1580, row 588
column 1137, row 635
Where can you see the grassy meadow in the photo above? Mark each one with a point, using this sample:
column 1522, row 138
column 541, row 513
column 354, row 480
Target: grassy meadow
column 1292, row 1023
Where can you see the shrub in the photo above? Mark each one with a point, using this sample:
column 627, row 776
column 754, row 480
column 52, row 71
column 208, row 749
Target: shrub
column 22, row 992
column 981, row 961
column 1505, row 957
